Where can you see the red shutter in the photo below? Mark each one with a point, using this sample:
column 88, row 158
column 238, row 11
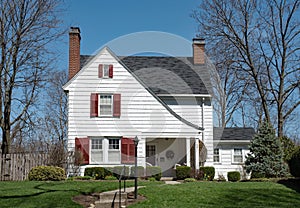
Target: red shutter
column 94, row 105
column 117, row 105
column 110, row 71
column 127, row 150
column 100, row 70
column 82, row 146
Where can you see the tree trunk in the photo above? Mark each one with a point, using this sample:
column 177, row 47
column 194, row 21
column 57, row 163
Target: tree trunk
column 5, row 140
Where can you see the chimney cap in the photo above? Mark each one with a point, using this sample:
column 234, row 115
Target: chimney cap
column 74, row 30
column 198, row 41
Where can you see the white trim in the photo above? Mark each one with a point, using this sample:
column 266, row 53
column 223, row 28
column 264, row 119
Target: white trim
column 220, row 156
column 232, row 156
column 188, row 150
column 197, row 158
column 105, row 150
column 103, row 74
column 111, row 105
column 232, row 141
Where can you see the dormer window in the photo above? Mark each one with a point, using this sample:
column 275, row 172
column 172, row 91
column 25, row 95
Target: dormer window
column 105, row 71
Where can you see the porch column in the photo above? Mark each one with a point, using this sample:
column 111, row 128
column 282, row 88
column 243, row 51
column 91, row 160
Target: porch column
column 141, row 153
column 188, row 149
column 197, row 153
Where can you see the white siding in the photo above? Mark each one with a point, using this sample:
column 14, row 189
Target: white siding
column 226, row 163
column 191, row 111
column 141, row 113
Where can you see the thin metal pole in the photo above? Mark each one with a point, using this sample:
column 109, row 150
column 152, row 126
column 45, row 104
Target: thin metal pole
column 135, row 171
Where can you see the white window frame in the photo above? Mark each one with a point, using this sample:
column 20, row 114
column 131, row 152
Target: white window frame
column 111, row 105
column 219, row 155
column 105, row 150
column 105, row 68
column 233, row 156
column 96, row 150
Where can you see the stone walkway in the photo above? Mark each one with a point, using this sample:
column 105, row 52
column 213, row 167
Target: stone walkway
column 131, row 189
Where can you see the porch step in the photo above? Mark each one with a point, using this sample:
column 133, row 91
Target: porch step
column 166, row 178
column 106, row 199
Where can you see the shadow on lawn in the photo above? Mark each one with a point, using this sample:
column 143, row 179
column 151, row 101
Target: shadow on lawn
column 292, row 183
column 39, row 187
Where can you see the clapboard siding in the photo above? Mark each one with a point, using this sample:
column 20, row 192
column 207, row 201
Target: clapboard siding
column 226, row 159
column 140, row 111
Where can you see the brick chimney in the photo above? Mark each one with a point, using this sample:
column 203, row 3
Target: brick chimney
column 74, row 51
column 199, row 50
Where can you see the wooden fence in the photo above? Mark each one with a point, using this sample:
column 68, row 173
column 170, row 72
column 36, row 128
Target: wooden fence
column 15, row 167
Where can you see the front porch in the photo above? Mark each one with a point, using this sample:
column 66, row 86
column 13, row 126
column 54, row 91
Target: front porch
column 167, row 153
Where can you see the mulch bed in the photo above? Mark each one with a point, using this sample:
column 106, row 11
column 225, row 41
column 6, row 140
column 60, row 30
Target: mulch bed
column 87, row 200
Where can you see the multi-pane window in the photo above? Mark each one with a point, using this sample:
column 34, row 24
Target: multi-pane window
column 105, row 150
column 96, row 144
column 216, row 155
column 114, row 144
column 237, row 155
column 97, row 150
column 106, row 105
column 114, row 154
column 105, row 70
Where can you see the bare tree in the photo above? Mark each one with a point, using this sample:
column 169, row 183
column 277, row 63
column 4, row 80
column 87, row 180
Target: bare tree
column 56, row 118
column 266, row 35
column 229, row 87
column 26, row 29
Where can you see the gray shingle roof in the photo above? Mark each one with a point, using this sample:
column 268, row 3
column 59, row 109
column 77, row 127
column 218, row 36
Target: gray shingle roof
column 234, row 133
column 166, row 75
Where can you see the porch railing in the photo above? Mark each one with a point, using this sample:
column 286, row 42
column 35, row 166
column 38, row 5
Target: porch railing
column 121, row 176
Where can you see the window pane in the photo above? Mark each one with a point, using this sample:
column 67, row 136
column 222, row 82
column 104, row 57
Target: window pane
column 97, row 144
column 96, row 156
column 113, row 156
column 105, row 104
column 216, row 155
column 238, row 159
column 238, row 155
column 105, row 70
column 237, row 151
column 114, row 144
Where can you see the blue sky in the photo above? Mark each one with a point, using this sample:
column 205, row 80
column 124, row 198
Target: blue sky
column 101, row 21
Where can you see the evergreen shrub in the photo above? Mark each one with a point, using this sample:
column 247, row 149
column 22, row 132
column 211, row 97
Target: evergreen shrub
column 47, row 173
column 183, row 172
column 234, row 176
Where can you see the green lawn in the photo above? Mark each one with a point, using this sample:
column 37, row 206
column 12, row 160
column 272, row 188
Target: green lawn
column 48, row 194
column 199, row 194
column 214, row 194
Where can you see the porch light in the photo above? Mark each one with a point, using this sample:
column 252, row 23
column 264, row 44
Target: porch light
column 136, row 142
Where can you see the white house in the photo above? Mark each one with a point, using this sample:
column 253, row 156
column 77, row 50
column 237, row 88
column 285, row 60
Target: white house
column 164, row 101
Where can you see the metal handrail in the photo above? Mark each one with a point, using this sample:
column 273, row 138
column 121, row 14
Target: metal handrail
column 120, row 187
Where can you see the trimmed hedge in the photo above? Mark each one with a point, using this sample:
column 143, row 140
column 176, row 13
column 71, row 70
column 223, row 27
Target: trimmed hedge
column 117, row 170
column 183, row 172
column 47, row 173
column 234, row 176
column 140, row 171
column 208, row 173
column 98, row 173
column 153, row 171
column 294, row 163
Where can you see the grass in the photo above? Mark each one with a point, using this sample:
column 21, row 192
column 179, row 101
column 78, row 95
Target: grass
column 213, row 194
column 32, row 194
column 196, row 194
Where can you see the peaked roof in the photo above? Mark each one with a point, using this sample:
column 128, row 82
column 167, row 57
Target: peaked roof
column 166, row 75
column 234, row 133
